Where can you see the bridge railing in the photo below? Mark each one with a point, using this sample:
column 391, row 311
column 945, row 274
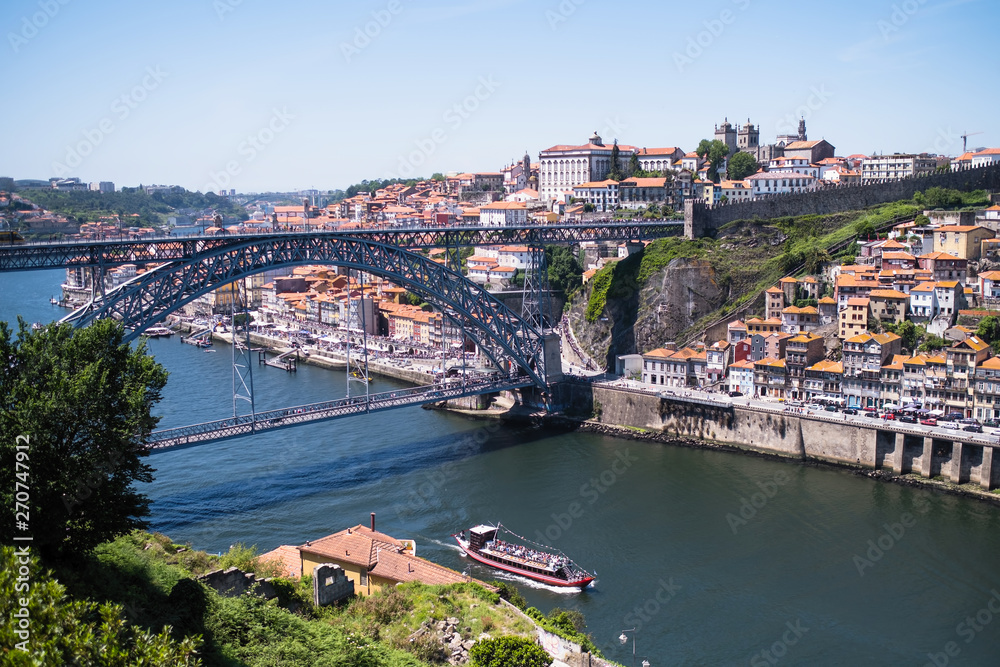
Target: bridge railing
column 270, row 419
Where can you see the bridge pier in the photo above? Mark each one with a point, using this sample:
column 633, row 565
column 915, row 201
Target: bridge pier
column 955, row 465
column 927, row 457
column 897, row 454
column 986, row 471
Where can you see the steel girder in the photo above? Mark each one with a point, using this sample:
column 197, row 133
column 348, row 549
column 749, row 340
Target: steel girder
column 222, row 429
column 149, row 297
column 112, row 253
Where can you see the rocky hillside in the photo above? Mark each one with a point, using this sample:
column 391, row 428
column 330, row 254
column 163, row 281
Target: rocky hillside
column 674, row 287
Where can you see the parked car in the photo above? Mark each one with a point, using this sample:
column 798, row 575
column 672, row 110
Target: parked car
column 929, row 421
column 908, row 419
column 973, row 428
column 735, row 393
column 850, row 411
column 889, row 415
column 815, row 406
column 968, row 420
column 831, row 408
column 871, row 413
column 992, row 423
column 951, row 426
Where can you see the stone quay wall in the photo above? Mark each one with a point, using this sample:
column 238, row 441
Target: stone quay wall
column 821, row 436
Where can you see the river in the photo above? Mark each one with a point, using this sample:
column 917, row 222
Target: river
column 714, row 558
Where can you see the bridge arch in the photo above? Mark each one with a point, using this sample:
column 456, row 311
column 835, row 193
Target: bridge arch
column 146, row 299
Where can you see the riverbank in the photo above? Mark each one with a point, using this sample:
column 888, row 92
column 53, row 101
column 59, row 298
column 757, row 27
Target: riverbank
column 328, row 359
column 521, row 415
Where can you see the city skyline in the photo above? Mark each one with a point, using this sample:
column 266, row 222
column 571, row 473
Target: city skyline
column 231, row 94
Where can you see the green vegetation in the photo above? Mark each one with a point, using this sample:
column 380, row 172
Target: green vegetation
column 508, row 652
column 81, row 400
column 947, row 198
column 599, row 286
column 63, row 631
column 740, row 166
column 565, row 271
column 151, row 210
column 716, row 151
column 135, row 598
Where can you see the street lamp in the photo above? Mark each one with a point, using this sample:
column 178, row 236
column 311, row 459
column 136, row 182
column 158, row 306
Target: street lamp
column 623, row 638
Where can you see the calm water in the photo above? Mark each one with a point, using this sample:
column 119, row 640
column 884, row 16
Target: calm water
column 795, row 576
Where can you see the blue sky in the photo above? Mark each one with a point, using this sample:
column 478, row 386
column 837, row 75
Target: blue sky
column 259, row 96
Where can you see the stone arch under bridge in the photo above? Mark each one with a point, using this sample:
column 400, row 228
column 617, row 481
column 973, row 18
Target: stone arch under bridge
column 498, row 331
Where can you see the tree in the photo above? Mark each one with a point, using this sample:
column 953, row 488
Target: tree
column 932, row 343
column 565, row 271
column 508, row 651
column 908, row 331
column 64, row 631
column 80, row 401
column 921, row 220
column 437, row 176
column 740, row 166
column 615, row 173
column 633, row 165
column 989, row 329
column 715, row 151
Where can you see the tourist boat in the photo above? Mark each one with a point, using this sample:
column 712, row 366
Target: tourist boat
column 537, row 562
column 155, row 332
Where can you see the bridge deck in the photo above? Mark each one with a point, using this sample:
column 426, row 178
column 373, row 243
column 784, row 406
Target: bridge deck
column 115, row 252
column 223, row 429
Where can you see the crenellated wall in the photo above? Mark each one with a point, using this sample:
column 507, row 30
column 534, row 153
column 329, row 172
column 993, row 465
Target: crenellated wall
column 700, row 220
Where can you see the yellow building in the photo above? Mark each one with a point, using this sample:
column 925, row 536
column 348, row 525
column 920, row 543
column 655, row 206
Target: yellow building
column 963, row 241
column 372, row 560
column 854, row 318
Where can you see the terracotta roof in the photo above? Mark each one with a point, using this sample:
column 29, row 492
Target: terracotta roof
column 287, row 557
column 827, row 366
column 888, row 294
column 659, row 353
column 359, row 545
column 993, row 363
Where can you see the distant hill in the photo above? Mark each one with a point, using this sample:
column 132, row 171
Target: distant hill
column 152, row 210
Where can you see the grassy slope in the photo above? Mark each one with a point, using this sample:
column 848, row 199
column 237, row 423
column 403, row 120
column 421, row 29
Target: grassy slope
column 150, row 577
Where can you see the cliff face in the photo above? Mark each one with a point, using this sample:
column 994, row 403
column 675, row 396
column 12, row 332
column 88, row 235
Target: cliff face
column 640, row 317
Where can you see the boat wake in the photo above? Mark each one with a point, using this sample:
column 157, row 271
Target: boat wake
column 531, row 583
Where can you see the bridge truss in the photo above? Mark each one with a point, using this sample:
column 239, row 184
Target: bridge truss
column 506, row 338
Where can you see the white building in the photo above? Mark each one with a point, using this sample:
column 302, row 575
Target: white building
column 602, row 195
column 658, row 159
column 799, row 165
column 896, row 166
column 503, row 214
column 103, row 186
column 986, row 157
column 780, row 182
column 564, row 166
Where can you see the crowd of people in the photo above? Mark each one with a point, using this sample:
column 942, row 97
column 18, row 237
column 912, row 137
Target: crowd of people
column 541, row 558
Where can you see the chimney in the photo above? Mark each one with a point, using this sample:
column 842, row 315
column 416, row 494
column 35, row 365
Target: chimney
column 373, row 522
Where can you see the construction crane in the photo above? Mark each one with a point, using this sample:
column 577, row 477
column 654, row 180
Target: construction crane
column 966, row 136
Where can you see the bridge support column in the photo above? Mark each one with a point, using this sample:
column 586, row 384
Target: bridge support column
column 986, row 474
column 552, row 354
column 897, row 454
column 955, row 467
column 927, row 457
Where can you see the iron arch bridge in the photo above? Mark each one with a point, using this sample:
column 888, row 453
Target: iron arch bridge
column 115, row 252
column 511, row 343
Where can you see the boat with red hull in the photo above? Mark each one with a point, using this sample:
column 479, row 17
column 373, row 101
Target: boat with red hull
column 540, row 564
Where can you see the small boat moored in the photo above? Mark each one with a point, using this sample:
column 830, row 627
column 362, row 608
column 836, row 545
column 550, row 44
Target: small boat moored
column 156, row 332
column 537, row 562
